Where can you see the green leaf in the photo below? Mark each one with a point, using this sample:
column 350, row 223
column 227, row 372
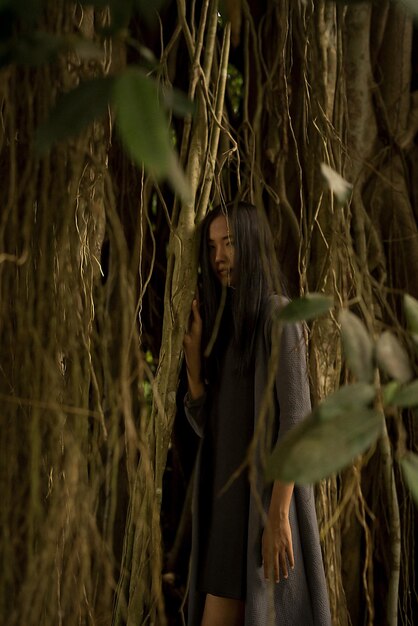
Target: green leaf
column 177, row 101
column 308, row 307
column 141, row 122
column 32, row 50
column 337, row 184
column 406, row 396
column 411, row 312
column 358, row 347
column 346, row 399
column 74, row 111
column 39, row 47
column 392, row 358
column 409, row 465
column 316, row 449
column 389, row 391
column 144, row 130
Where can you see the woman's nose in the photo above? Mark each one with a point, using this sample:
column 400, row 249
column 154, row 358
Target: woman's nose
column 219, row 254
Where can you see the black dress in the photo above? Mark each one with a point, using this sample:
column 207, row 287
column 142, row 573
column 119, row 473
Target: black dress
column 302, row 599
column 224, row 505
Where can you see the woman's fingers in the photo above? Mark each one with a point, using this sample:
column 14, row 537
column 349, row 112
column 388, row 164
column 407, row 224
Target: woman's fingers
column 195, row 322
column 195, row 309
column 192, row 341
column 196, row 312
column 283, row 566
column 271, row 567
column 195, row 325
column 290, row 556
column 277, row 557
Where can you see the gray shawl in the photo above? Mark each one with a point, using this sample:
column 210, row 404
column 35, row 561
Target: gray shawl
column 301, row 599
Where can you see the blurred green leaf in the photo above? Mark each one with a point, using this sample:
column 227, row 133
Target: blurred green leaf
column 392, row 358
column 409, row 465
column 32, row 50
column 235, row 83
column 147, row 391
column 177, row 101
column 411, row 312
column 148, row 357
column 308, row 307
column 141, row 121
column 346, row 399
column 144, row 130
column 407, row 395
column 358, row 347
column 316, row 448
column 74, row 111
column 389, row 391
column 40, row 47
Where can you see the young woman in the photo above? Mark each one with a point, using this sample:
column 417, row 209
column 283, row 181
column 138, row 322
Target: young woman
column 256, row 557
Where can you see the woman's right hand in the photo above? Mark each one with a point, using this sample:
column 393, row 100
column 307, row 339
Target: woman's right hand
column 192, row 352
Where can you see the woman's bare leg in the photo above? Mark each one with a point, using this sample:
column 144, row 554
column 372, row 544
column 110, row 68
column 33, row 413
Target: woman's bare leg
column 223, row 611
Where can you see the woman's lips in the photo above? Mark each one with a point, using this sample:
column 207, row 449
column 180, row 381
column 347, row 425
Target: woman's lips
column 224, row 275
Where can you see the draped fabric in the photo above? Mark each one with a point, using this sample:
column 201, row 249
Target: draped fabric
column 302, row 598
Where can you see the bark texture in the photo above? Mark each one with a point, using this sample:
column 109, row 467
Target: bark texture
column 98, row 269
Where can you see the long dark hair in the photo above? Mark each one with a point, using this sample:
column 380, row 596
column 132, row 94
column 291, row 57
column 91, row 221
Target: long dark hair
column 256, row 276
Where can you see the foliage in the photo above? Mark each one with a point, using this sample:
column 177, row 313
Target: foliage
column 318, row 448
column 97, row 271
column 144, row 129
column 343, row 426
column 140, row 117
column 306, row 308
column 409, row 464
column 74, row 111
column 235, row 87
column 358, row 346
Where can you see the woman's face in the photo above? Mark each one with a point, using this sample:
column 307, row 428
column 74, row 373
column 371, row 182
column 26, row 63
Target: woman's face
column 221, row 250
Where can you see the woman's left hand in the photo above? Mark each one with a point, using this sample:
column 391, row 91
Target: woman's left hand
column 277, row 548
